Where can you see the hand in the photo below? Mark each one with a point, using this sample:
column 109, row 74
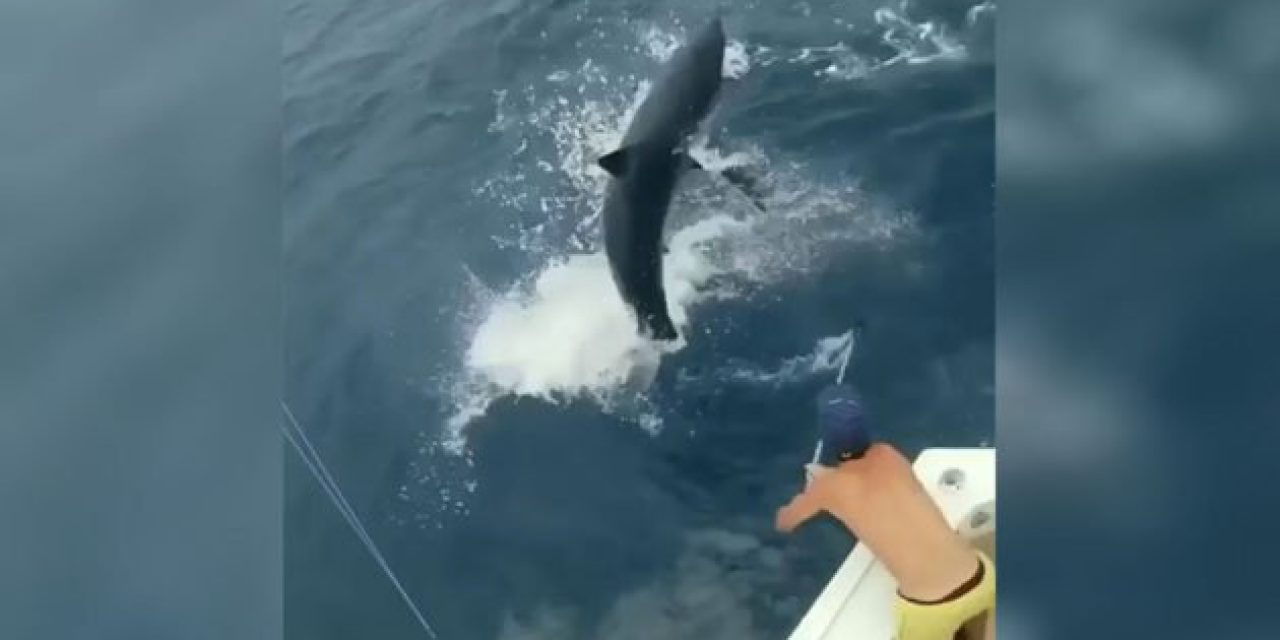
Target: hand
column 801, row 508
column 784, row 522
column 804, row 505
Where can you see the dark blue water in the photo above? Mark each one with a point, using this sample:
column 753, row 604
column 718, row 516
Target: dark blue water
column 413, row 178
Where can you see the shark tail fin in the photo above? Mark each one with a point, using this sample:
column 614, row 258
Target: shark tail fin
column 658, row 326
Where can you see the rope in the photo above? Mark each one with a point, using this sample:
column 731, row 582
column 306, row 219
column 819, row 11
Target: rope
column 318, row 469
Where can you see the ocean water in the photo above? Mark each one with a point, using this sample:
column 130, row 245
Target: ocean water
column 454, row 347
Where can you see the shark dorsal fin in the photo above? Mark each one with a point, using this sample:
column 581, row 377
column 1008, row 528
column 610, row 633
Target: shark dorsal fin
column 615, row 163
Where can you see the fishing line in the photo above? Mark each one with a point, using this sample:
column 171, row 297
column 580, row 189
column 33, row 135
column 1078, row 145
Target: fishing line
column 844, row 364
column 318, row 469
column 848, row 355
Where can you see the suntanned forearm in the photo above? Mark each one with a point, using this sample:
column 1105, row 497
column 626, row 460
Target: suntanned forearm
column 800, row 509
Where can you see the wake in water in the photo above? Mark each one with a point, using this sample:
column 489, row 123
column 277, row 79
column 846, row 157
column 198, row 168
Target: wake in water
column 825, row 359
column 900, row 39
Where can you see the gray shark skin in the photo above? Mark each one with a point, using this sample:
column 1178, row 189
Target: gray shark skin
column 646, row 169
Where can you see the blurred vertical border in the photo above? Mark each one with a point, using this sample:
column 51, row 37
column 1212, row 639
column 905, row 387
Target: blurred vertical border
column 1138, row 303
column 1137, row 228
column 139, row 311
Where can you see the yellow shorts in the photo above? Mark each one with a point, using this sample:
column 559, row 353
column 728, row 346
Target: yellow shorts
column 941, row 621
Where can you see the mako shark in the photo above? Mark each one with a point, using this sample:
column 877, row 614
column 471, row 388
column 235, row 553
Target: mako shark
column 646, row 168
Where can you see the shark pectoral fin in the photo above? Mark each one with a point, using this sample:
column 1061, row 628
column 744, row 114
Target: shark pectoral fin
column 740, row 178
column 691, row 163
column 746, row 183
column 615, row 163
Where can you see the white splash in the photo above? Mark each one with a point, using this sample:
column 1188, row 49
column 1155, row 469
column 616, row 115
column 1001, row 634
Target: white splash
column 825, row 358
column 659, row 43
column 543, row 343
column 569, row 335
column 737, row 61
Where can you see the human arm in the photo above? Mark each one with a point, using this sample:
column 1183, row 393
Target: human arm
column 802, row 507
